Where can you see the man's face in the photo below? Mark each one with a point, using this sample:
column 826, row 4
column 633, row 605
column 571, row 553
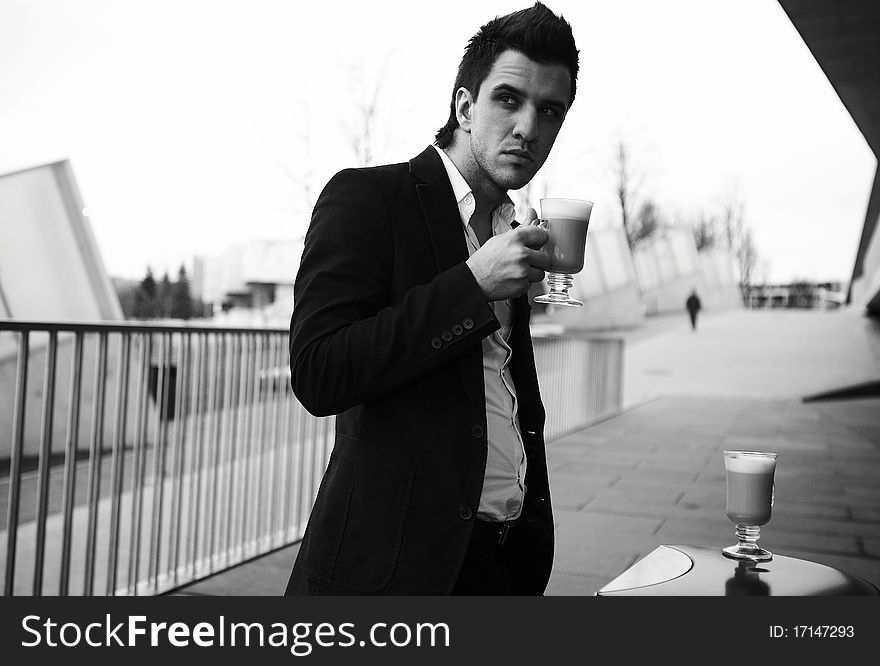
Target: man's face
column 515, row 119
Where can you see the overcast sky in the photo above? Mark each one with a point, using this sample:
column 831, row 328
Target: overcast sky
column 194, row 124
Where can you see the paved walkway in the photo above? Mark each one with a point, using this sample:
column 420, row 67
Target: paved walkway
column 654, row 474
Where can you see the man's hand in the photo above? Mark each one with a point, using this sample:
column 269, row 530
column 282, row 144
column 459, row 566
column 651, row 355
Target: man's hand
column 506, row 265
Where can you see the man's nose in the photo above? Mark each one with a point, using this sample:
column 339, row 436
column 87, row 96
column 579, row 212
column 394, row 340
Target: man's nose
column 526, row 127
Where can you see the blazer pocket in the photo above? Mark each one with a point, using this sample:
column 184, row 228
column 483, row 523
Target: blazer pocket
column 323, row 538
column 359, row 518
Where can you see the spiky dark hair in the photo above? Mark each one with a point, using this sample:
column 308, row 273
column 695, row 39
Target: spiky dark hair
column 536, row 32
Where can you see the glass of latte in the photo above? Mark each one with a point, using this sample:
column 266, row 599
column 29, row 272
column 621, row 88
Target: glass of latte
column 566, row 220
column 750, row 496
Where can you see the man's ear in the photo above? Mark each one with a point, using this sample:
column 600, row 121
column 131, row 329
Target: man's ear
column 464, row 106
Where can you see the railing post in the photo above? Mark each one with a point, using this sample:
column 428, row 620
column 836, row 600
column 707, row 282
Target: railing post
column 18, row 425
column 117, row 461
column 44, row 460
column 95, row 463
column 70, row 461
column 180, row 428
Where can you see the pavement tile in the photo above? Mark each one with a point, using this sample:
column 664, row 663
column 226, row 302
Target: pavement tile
column 825, row 526
column 784, row 510
column 814, row 542
column 858, row 474
column 697, row 531
column 266, row 576
column 632, row 508
column 872, row 547
column 587, row 471
column 635, row 495
column 865, row 513
column 572, row 496
column 809, row 487
column 659, row 475
column 707, row 506
column 751, row 443
column 861, row 493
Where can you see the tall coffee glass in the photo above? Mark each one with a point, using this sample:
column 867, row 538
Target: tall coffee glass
column 566, row 220
column 750, row 496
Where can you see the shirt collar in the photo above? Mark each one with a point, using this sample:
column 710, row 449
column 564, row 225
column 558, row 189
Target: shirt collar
column 464, row 197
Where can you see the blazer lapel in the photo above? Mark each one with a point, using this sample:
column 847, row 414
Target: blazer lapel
column 439, row 208
column 443, row 220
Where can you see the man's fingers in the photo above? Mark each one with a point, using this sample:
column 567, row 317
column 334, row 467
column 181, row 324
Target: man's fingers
column 538, row 259
column 535, row 274
column 531, row 217
column 533, row 237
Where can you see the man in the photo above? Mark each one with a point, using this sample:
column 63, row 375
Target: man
column 693, row 306
column 411, row 323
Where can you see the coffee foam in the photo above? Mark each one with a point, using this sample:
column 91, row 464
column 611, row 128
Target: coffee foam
column 750, row 464
column 568, row 208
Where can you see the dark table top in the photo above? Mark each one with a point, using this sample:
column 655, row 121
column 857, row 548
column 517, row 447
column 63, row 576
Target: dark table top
column 704, row 571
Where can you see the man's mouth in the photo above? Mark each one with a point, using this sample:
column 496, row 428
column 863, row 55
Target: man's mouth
column 523, row 154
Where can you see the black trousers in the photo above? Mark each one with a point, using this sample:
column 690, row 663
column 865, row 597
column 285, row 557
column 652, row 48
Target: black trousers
column 486, row 570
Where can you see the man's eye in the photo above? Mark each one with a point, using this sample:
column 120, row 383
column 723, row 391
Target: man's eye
column 550, row 111
column 506, row 99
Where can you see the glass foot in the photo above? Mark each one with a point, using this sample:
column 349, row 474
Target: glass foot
column 747, row 548
column 755, row 554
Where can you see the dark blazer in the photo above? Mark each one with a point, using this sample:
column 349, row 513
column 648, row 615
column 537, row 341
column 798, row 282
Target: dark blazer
column 386, row 332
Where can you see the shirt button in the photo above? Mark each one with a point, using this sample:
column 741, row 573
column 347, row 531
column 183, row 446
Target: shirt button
column 465, row 513
column 477, row 431
column 457, row 329
column 447, row 335
column 468, row 323
column 436, row 344
column 468, row 199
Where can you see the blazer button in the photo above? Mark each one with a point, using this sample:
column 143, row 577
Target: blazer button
column 465, row 513
column 447, row 335
column 468, row 323
column 457, row 329
column 436, row 344
column 477, row 431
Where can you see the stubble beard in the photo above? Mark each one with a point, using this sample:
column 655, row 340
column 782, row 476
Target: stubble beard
column 500, row 179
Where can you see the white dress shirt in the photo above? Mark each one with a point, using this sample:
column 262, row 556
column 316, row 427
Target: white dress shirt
column 504, row 478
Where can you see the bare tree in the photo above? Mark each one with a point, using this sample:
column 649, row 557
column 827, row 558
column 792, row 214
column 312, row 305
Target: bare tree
column 646, row 223
column 705, row 231
column 733, row 218
column 627, row 185
column 361, row 129
column 747, row 258
column 302, row 175
column 739, row 238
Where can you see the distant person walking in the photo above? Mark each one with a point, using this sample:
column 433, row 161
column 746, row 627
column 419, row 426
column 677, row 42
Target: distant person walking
column 693, row 306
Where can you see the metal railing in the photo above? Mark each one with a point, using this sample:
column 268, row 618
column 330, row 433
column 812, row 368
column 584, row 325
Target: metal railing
column 581, row 381
column 143, row 458
column 181, row 452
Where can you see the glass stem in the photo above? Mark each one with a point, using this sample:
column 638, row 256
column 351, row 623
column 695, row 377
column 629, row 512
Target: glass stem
column 748, row 536
column 560, row 283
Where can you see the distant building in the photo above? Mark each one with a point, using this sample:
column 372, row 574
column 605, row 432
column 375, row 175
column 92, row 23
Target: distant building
column 50, row 266
column 250, row 284
column 796, row 295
